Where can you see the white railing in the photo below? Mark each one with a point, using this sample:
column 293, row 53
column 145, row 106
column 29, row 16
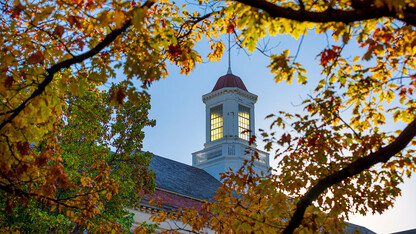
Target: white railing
column 204, row 156
column 263, row 157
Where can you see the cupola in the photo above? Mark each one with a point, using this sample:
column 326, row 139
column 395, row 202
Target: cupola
column 229, row 127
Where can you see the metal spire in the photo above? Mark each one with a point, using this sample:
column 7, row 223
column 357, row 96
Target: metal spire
column 229, row 55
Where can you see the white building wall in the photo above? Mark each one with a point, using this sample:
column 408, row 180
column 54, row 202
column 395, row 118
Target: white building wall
column 229, row 151
column 141, row 215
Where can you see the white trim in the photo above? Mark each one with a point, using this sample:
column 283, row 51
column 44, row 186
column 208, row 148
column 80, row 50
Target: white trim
column 226, row 90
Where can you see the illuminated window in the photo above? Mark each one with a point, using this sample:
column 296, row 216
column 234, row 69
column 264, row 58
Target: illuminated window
column 243, row 122
column 216, row 123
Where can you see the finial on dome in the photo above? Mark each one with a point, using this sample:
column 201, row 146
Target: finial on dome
column 229, row 56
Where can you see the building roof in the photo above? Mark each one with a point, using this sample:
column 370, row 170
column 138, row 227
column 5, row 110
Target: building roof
column 229, row 81
column 353, row 227
column 410, row 231
column 183, row 179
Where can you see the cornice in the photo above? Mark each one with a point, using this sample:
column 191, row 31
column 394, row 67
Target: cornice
column 180, row 194
column 226, row 90
column 147, row 208
column 226, row 140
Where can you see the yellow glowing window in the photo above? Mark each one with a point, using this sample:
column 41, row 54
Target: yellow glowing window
column 216, row 123
column 243, row 122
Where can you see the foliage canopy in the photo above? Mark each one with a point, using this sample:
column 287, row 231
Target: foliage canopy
column 56, row 127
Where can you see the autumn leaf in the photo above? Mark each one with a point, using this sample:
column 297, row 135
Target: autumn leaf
column 73, row 20
column 76, row 2
column 217, row 50
column 231, row 26
column 57, row 126
column 403, row 92
column 23, row 148
column 42, row 160
column 329, row 55
column 120, row 96
column 80, row 43
column 9, row 81
column 17, row 9
column 59, row 31
column 119, row 18
column 36, row 58
column 175, row 50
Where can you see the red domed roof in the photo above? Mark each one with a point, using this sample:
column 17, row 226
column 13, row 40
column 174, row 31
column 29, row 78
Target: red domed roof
column 229, row 81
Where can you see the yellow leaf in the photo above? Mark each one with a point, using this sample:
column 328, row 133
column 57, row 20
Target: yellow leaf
column 119, row 18
column 356, row 58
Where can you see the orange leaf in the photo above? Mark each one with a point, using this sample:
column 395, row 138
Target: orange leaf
column 59, row 30
column 42, row 160
column 36, row 58
column 74, row 20
column 120, row 96
column 329, row 54
column 17, row 9
column 175, row 50
column 80, row 43
column 230, row 27
column 23, row 148
column 9, row 82
column 403, row 92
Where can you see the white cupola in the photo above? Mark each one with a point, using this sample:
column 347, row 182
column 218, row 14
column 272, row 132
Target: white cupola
column 229, row 126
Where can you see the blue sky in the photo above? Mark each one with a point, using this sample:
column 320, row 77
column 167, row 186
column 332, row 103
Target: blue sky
column 180, row 113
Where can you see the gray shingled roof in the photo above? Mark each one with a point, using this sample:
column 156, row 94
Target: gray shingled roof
column 184, row 179
column 352, row 227
column 410, row 231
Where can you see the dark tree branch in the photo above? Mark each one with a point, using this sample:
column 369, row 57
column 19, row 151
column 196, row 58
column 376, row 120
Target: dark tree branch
column 50, row 72
column 192, row 23
column 361, row 10
column 364, row 12
column 22, row 193
column 356, row 167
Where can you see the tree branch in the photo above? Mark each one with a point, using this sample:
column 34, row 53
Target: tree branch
column 50, row 72
column 20, row 192
column 333, row 15
column 354, row 168
column 192, row 23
